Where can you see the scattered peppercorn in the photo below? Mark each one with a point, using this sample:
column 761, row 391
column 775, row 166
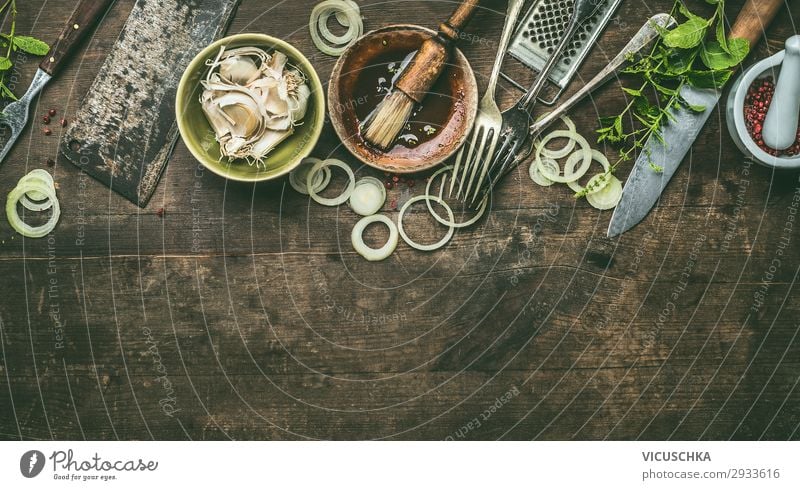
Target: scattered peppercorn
column 47, row 132
column 63, row 122
column 52, row 112
column 388, row 184
column 411, row 183
column 46, row 119
column 395, row 179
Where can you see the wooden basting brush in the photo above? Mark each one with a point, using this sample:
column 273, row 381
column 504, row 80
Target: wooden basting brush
column 387, row 120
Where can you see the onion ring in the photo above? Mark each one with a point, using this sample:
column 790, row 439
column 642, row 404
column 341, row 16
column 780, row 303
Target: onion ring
column 35, row 200
column 608, row 197
column 344, row 196
column 364, row 201
column 536, row 174
column 585, row 148
column 326, row 41
column 566, row 149
column 42, row 175
column 573, row 160
column 298, row 176
column 369, row 253
column 14, row 219
column 411, row 243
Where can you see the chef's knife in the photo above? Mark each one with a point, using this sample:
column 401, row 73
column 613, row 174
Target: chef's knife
column 85, row 16
column 644, row 186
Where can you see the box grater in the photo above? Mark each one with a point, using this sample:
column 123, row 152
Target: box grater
column 540, row 30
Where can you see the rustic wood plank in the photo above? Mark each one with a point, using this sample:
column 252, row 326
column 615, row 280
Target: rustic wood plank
column 268, row 326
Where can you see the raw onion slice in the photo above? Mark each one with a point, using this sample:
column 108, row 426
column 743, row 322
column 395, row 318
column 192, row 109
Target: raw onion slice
column 451, row 223
column 14, row 219
column 347, row 14
column 585, row 150
column 413, row 244
column 368, row 196
column 35, row 200
column 37, row 205
column 42, row 175
column 567, row 148
column 597, row 157
column 342, row 18
column 608, row 197
column 369, row 253
column 344, row 196
column 536, row 174
column 298, row 176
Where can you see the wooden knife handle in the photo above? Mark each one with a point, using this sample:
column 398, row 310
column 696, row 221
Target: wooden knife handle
column 86, row 15
column 753, row 20
column 451, row 29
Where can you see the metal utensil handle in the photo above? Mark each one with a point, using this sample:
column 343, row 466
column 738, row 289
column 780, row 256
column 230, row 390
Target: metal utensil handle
column 645, row 36
column 641, row 39
column 514, row 8
column 86, row 15
column 582, row 10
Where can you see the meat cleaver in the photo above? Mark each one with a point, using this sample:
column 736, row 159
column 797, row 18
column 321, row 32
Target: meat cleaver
column 125, row 129
column 644, row 186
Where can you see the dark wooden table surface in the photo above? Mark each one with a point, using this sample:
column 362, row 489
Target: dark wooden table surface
column 243, row 312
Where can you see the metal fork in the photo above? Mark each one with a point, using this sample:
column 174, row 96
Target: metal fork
column 85, row 15
column 489, row 120
column 15, row 115
column 516, row 120
column 507, row 161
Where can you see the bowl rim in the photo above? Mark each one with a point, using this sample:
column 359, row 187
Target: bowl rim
column 470, row 114
column 741, row 87
column 292, row 52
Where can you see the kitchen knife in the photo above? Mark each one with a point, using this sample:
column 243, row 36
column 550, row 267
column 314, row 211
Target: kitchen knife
column 644, row 186
column 125, row 129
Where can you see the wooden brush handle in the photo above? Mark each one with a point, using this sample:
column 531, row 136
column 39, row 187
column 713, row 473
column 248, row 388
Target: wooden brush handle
column 84, row 18
column 423, row 71
column 753, row 20
column 460, row 18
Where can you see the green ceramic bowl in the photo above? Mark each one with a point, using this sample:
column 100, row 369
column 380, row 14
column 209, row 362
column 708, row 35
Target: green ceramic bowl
column 199, row 137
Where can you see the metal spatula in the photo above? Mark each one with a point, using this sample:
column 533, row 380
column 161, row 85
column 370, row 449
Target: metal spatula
column 86, row 15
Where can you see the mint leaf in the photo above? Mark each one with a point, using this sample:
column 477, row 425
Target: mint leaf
column 6, row 92
column 708, row 79
column 687, row 35
column 633, row 92
column 678, row 61
column 5, row 64
column 716, row 57
column 31, row 45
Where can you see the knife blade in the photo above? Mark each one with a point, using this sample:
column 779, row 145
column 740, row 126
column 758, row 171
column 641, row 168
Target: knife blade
column 645, row 185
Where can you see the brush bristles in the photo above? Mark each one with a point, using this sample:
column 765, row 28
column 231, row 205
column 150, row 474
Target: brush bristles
column 388, row 119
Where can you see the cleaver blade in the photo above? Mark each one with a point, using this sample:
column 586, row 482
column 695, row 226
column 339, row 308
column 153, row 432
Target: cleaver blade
column 645, row 185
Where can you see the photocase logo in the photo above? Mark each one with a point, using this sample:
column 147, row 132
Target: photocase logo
column 31, row 463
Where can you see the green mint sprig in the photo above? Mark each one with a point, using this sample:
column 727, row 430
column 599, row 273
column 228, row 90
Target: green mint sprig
column 683, row 56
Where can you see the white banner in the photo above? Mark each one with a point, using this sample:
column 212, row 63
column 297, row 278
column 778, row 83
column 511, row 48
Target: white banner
column 399, row 465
